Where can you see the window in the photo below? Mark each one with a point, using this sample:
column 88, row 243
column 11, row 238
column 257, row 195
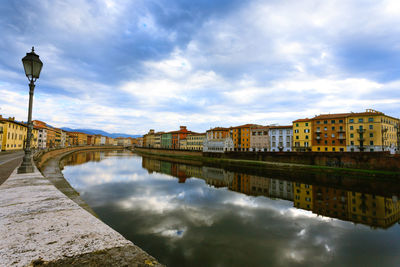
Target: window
column 326, row 149
column 332, row 121
column 319, row 149
column 371, row 143
column 318, row 122
column 370, row 119
column 306, row 123
column 360, row 120
column 325, row 122
column 351, row 127
column 371, row 127
column 371, row 135
column 297, row 125
column 340, row 121
column 333, row 149
column 325, row 129
column 325, row 135
column 333, row 128
column 351, row 135
column 306, row 136
column 326, row 142
column 351, row 120
column 352, row 143
column 297, row 137
column 333, row 135
column 333, row 142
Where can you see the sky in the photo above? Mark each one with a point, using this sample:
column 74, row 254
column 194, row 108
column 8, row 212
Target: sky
column 130, row 66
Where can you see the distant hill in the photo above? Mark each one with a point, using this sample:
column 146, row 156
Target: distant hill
column 94, row 131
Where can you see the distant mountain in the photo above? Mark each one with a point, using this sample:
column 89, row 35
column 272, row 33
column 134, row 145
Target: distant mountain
column 94, row 131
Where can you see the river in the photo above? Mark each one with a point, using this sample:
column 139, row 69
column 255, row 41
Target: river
column 195, row 215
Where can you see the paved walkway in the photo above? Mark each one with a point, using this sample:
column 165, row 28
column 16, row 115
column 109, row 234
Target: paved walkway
column 39, row 226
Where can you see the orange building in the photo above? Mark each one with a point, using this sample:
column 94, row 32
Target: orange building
column 241, row 136
column 179, row 135
column 329, row 132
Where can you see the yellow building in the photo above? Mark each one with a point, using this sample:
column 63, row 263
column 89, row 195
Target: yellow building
column 157, row 139
column 303, row 196
column 302, row 135
column 14, row 135
column 149, row 139
column 241, row 137
column 195, row 141
column 372, row 131
column 183, row 144
column 376, row 211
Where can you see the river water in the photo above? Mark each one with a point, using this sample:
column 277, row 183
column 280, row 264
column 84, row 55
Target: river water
column 194, row 215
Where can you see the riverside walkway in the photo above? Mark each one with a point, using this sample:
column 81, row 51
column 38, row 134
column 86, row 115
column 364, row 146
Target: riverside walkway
column 40, row 226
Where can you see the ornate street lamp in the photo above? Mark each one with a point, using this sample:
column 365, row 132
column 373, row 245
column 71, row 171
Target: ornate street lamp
column 32, row 67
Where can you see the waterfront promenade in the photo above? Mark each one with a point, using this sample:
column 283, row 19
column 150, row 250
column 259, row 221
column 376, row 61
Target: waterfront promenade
column 39, row 225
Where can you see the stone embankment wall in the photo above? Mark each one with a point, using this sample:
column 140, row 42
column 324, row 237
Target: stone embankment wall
column 382, row 161
column 44, row 155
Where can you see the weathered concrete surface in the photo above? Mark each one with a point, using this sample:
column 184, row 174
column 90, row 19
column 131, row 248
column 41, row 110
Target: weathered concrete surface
column 39, row 225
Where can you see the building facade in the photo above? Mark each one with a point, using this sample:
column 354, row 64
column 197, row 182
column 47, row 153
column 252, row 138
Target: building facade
column 195, row 141
column 329, row 132
column 259, row 138
column 371, row 131
column 218, row 140
column 281, row 138
column 302, row 135
column 241, row 136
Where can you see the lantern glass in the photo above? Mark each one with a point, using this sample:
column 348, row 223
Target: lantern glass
column 32, row 65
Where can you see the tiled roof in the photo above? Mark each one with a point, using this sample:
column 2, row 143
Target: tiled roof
column 302, row 120
column 245, row 126
column 281, row 127
column 218, row 129
column 331, row 116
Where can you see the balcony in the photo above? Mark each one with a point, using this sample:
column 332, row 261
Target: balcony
column 361, row 139
column 341, row 131
column 341, row 137
column 318, row 131
column 360, row 130
column 318, row 137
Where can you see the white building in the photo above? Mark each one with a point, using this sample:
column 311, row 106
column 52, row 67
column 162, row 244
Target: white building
column 281, row 138
column 42, row 137
column 63, row 138
column 218, row 140
column 281, row 189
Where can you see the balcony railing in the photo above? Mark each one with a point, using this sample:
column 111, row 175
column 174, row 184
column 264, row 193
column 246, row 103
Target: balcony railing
column 341, row 137
column 341, row 131
column 318, row 137
column 360, row 130
column 361, row 139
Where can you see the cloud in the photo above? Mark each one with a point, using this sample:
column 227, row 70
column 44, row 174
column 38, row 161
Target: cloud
column 126, row 66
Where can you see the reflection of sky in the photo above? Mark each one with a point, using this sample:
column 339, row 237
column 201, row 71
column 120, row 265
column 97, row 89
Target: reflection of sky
column 193, row 224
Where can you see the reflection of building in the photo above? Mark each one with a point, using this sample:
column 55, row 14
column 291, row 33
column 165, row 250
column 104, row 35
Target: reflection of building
column 240, row 183
column 216, row 176
column 194, row 171
column 281, row 189
column 373, row 210
column 303, row 196
column 329, row 201
column 259, row 186
column 151, row 165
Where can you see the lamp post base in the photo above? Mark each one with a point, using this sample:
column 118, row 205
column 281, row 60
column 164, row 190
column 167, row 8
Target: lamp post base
column 27, row 165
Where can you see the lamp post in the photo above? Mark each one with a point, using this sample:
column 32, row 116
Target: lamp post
column 32, row 67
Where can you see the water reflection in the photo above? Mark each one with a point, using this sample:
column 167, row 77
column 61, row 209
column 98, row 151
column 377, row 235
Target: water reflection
column 209, row 216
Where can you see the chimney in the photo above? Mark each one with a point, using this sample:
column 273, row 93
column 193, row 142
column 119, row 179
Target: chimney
column 183, row 128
